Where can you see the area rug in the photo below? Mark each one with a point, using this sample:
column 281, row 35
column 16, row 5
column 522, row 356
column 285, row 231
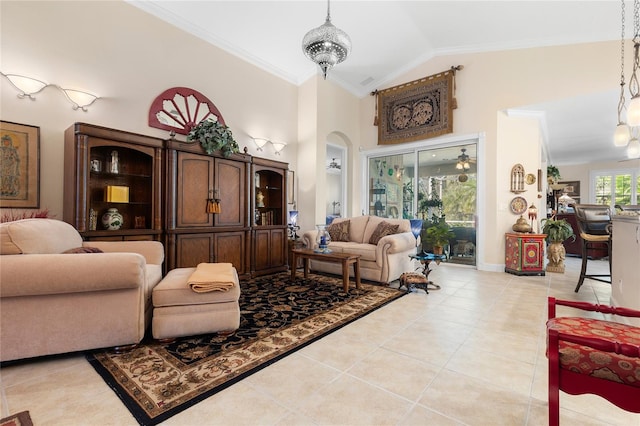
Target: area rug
column 19, row 419
column 156, row 381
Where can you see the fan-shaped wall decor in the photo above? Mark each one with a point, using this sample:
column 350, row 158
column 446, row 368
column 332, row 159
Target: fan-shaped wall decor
column 180, row 109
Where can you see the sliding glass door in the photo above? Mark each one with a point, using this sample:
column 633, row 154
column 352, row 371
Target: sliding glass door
column 391, row 183
column 437, row 185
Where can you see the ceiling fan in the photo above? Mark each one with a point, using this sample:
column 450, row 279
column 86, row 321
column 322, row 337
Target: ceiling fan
column 464, row 161
column 464, row 165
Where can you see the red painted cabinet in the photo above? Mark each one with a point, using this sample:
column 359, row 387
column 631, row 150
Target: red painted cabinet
column 524, row 254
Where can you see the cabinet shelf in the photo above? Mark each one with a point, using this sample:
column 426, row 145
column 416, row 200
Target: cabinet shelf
column 89, row 151
column 130, row 203
column 105, row 175
column 269, row 233
column 122, row 235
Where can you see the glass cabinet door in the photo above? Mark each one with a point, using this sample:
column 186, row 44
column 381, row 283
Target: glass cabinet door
column 268, row 200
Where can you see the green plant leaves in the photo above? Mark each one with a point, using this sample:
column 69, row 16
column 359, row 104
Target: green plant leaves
column 214, row 136
column 557, row 230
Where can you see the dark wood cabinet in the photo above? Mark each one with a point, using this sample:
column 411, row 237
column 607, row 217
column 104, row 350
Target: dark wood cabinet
column 269, row 209
column 161, row 189
column 107, row 169
column 193, row 234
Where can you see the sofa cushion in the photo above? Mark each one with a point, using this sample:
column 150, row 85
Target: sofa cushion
column 383, row 229
column 6, row 245
column 83, row 249
column 367, row 251
column 43, row 236
column 593, row 362
column 174, row 290
column 339, row 231
column 357, row 227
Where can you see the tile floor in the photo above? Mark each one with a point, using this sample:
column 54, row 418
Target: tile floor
column 471, row 353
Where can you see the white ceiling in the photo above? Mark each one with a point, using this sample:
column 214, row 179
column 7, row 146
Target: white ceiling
column 391, row 37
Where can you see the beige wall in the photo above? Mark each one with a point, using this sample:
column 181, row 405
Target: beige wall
column 581, row 173
column 496, row 81
column 129, row 57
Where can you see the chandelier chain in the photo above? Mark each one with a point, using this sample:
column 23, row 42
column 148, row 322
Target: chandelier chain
column 633, row 82
column 636, row 21
column 622, row 46
column 622, row 82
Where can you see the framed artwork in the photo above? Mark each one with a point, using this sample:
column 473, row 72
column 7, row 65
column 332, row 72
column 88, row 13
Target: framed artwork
column 291, row 182
column 416, row 110
column 19, row 166
column 572, row 189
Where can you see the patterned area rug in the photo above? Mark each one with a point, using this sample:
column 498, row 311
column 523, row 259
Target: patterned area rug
column 156, row 381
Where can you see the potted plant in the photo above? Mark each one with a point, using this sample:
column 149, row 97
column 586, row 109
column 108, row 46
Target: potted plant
column 553, row 174
column 214, row 136
column 557, row 230
column 438, row 235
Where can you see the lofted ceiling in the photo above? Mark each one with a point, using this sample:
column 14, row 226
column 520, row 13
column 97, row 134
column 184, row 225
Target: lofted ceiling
column 392, row 37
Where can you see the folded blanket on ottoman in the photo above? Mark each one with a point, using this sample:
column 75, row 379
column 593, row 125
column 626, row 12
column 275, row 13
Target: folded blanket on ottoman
column 212, row 277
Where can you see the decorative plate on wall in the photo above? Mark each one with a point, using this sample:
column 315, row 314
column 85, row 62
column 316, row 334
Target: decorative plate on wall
column 530, row 179
column 518, row 205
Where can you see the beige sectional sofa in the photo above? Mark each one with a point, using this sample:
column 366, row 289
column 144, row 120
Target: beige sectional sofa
column 382, row 262
column 56, row 300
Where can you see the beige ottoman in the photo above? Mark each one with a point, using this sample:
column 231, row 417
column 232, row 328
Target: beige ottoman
column 179, row 311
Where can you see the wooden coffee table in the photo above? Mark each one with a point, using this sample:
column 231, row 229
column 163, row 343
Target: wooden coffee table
column 345, row 259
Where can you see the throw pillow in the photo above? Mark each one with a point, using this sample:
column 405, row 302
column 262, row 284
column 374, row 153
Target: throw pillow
column 339, row 231
column 383, row 229
column 83, row 250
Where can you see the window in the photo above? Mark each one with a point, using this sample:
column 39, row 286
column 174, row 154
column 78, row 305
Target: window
column 611, row 187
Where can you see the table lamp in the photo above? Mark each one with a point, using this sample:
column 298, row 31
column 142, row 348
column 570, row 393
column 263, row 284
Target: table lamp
column 416, row 229
column 293, row 225
column 533, row 215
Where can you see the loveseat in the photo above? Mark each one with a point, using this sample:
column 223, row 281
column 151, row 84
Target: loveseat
column 59, row 294
column 382, row 260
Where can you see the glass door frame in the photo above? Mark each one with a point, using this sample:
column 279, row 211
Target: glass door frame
column 441, row 142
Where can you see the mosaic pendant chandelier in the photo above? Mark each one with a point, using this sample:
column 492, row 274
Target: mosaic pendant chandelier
column 326, row 45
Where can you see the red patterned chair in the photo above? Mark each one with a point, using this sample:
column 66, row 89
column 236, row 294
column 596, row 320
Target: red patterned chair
column 588, row 355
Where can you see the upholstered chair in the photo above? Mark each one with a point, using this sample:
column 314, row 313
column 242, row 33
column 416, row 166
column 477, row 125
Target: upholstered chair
column 595, row 356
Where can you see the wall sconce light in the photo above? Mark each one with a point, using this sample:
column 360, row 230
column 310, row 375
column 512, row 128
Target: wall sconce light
column 278, row 146
column 260, row 143
column 28, row 87
column 78, row 98
column 213, row 203
column 399, row 172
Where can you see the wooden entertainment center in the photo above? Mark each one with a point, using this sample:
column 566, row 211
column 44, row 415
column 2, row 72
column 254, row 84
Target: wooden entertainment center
column 162, row 189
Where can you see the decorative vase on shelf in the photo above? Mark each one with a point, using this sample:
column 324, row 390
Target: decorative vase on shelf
column 323, row 239
column 521, row 225
column 115, row 162
column 112, row 219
